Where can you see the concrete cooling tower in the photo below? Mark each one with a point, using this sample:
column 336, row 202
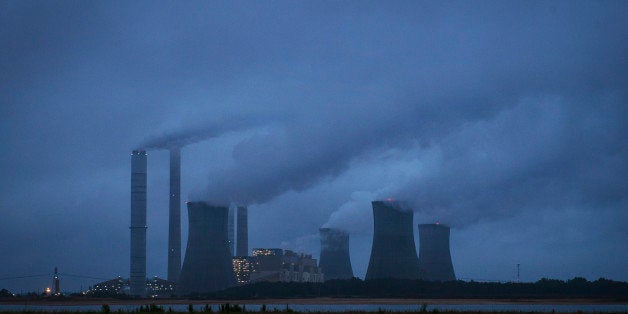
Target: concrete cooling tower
column 207, row 265
column 334, row 259
column 138, row 223
column 393, row 254
column 434, row 255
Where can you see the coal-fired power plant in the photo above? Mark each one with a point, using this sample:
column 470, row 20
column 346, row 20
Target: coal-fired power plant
column 334, row 260
column 434, row 255
column 217, row 233
column 174, row 222
column 242, row 239
column 207, row 265
column 138, row 223
column 393, row 254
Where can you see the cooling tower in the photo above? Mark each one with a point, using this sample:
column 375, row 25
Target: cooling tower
column 242, row 243
column 334, row 259
column 138, row 223
column 174, row 224
column 434, row 256
column 207, row 265
column 393, row 254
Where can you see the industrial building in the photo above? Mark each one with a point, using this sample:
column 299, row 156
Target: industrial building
column 334, row 259
column 207, row 265
column 138, row 222
column 277, row 265
column 434, row 255
column 393, row 254
column 118, row 286
column 242, row 268
column 267, row 264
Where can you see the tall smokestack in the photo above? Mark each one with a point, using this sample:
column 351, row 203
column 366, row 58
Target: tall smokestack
column 56, row 282
column 242, row 243
column 393, row 254
column 434, row 255
column 174, row 225
column 207, row 266
column 231, row 230
column 334, row 259
column 138, row 223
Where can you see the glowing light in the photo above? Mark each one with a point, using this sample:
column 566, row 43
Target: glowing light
column 47, row 289
column 437, row 223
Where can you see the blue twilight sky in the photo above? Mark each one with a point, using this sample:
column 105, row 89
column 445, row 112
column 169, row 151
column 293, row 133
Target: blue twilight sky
column 504, row 119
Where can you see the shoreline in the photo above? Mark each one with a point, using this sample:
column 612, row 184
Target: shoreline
column 313, row 301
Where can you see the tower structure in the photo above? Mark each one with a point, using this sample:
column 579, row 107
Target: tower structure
column 434, row 255
column 138, row 223
column 393, row 254
column 57, row 286
column 207, row 265
column 242, row 240
column 231, row 229
column 174, row 223
column 334, row 259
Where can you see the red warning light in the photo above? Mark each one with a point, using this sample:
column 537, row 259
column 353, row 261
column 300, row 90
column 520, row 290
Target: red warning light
column 437, row 223
column 389, row 199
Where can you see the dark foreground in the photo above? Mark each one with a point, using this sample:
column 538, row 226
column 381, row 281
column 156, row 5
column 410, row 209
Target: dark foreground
column 227, row 308
column 309, row 301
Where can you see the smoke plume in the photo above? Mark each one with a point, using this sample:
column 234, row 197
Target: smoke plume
column 543, row 154
column 193, row 134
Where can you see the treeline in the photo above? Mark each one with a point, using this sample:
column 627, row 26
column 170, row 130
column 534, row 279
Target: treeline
column 576, row 288
column 395, row 288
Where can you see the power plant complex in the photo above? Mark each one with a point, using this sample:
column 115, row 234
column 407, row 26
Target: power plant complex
column 217, row 252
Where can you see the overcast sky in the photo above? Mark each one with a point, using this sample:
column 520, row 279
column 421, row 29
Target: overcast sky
column 506, row 120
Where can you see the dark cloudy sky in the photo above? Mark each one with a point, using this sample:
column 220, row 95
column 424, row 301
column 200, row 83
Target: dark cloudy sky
column 507, row 120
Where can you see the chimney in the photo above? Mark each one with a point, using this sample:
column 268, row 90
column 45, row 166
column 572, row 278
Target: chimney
column 174, row 224
column 242, row 244
column 230, row 230
column 138, row 223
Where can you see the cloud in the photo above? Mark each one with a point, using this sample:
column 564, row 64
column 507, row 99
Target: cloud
column 474, row 112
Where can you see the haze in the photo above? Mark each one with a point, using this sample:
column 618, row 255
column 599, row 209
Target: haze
column 506, row 120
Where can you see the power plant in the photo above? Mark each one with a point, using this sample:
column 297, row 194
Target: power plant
column 334, row 259
column 138, row 223
column 434, row 255
column 207, row 265
column 393, row 254
column 174, row 221
column 217, row 233
column 242, row 240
